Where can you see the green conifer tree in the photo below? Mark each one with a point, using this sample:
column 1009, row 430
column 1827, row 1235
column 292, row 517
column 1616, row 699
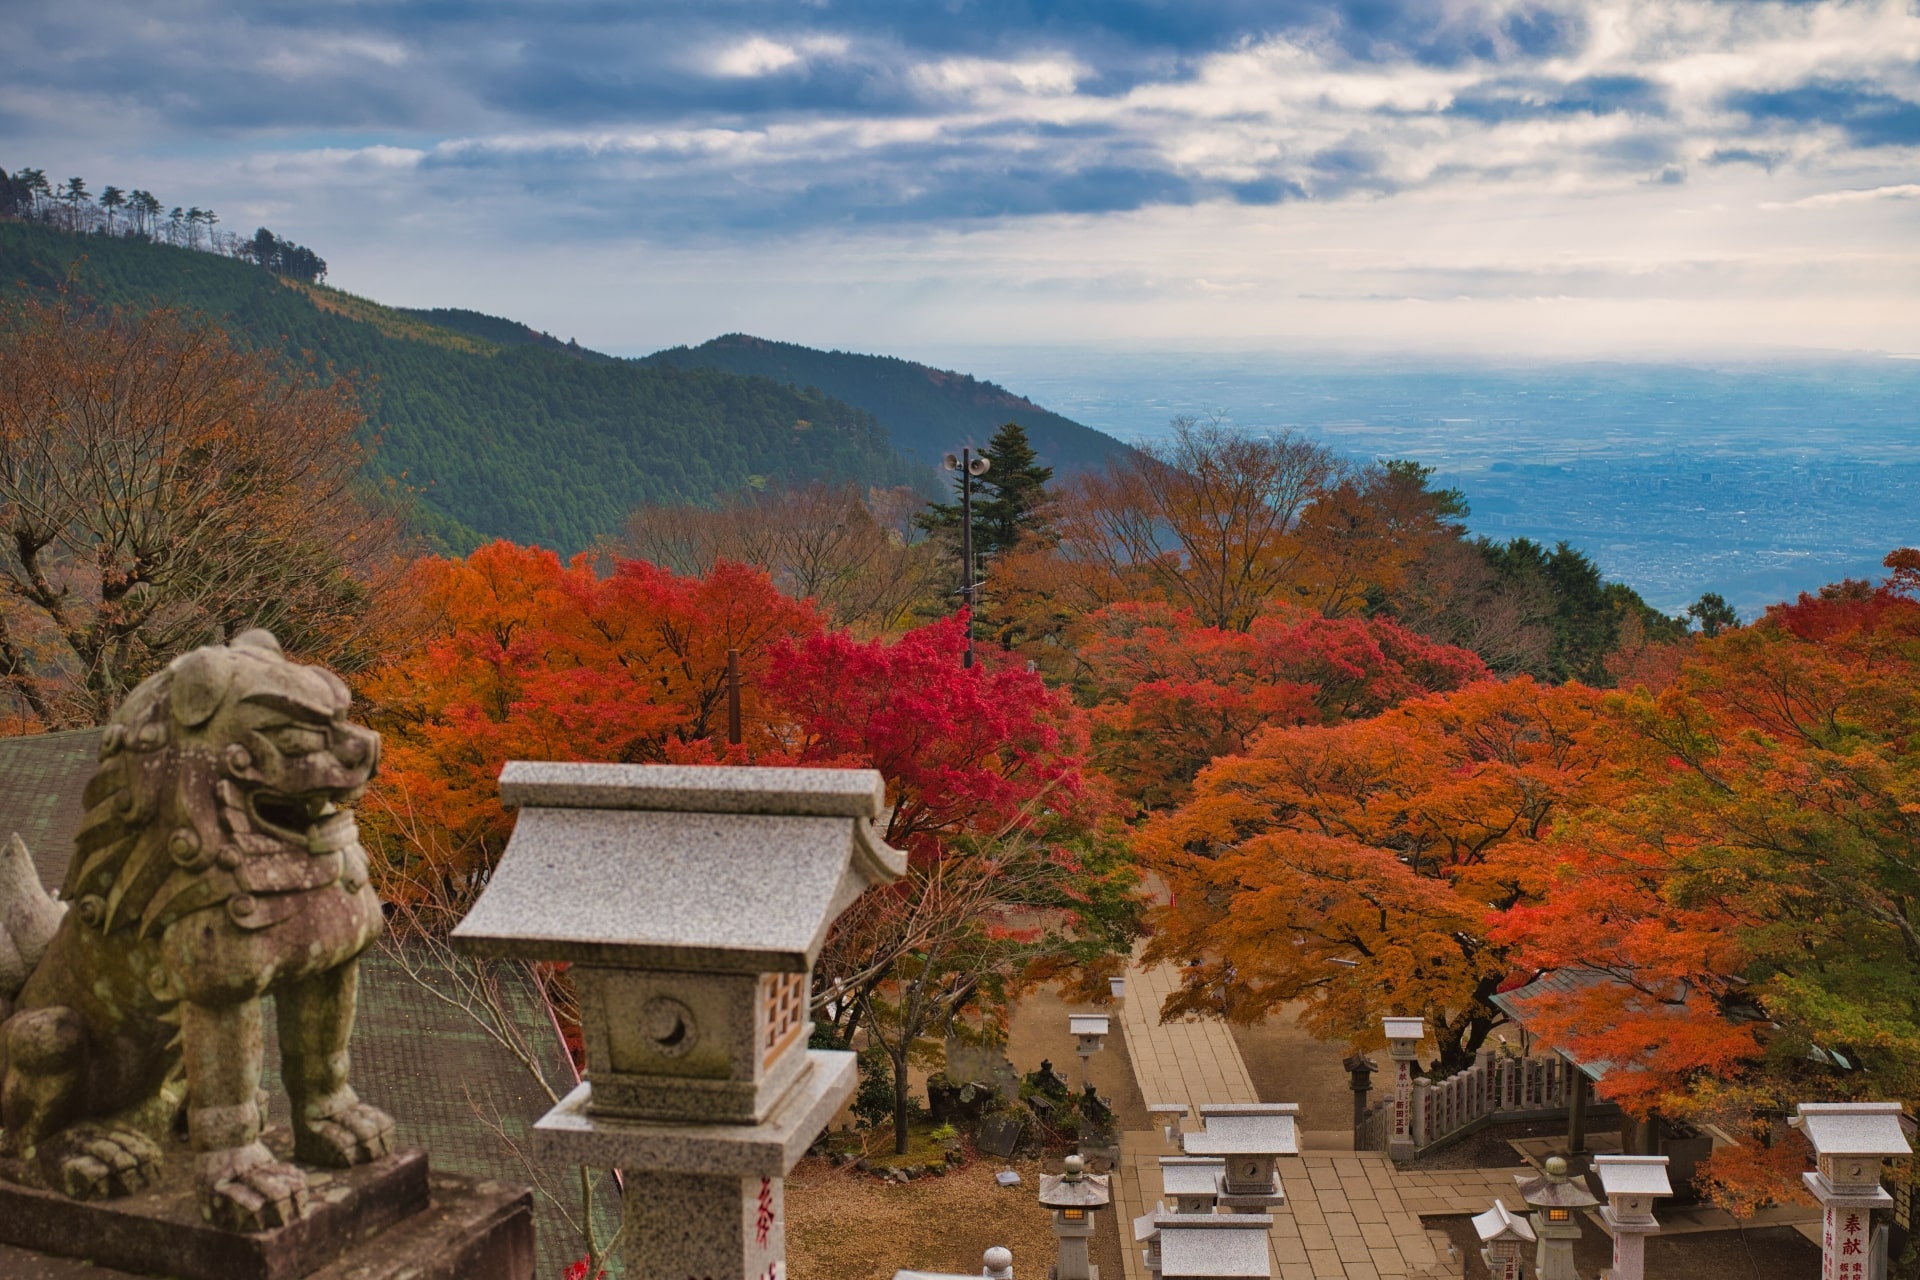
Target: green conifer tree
column 1008, row 501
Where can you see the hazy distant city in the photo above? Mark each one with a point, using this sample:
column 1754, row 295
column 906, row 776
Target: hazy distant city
column 1757, row 481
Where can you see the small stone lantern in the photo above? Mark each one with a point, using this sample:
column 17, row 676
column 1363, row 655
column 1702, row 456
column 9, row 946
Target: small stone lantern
column 1851, row 1141
column 1192, row 1182
column 1216, row 1246
column 1249, row 1138
column 1403, row 1041
column 1631, row 1183
column 691, row 903
column 1117, row 987
column 1168, row 1116
column 1074, row 1195
column 1089, row 1031
column 1503, row 1239
column 1554, row 1199
column 1146, row 1233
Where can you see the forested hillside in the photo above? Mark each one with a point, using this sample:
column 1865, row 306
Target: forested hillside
column 930, row 411
column 501, row 433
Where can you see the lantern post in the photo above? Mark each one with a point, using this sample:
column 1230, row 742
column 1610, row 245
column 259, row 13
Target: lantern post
column 1403, row 1041
column 690, row 903
column 1851, row 1142
column 1631, row 1183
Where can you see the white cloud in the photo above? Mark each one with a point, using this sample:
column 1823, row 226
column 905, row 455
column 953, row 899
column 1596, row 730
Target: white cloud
column 760, row 56
column 1828, row 199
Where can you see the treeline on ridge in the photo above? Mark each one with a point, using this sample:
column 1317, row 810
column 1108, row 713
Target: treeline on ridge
column 518, row 441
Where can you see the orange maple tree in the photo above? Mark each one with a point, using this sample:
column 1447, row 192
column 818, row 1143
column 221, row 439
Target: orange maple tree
column 1361, row 867
column 1752, row 893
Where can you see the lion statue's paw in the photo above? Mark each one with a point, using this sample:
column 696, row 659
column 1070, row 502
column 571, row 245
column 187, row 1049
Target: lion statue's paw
column 353, row 1133
column 96, row 1162
column 246, row 1189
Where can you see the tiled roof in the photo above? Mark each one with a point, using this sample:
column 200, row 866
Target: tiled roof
column 42, row 777
column 451, row 1087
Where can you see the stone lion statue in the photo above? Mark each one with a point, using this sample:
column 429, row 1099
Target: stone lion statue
column 218, row 862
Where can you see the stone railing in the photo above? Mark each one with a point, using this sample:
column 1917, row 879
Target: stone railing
column 1494, row 1088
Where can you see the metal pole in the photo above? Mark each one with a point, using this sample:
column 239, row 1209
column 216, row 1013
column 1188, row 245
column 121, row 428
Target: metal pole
column 733, row 696
column 966, row 546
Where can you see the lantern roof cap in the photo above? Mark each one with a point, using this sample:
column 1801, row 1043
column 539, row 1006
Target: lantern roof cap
column 680, row 867
column 1215, row 1245
column 1243, row 1131
column 684, row 788
column 1553, row 1189
column 1190, row 1176
column 1633, row 1175
column 1405, row 1028
column 1500, row 1221
column 1074, row 1188
column 1088, row 1024
column 1853, row 1128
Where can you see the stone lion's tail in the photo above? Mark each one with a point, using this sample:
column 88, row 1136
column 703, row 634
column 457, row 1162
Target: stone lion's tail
column 28, row 917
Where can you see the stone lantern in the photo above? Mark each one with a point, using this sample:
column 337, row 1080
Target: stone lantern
column 1403, row 1041
column 1089, row 1031
column 691, row 903
column 1117, row 987
column 1503, row 1239
column 1192, row 1182
column 1250, row 1138
column 1074, row 1195
column 1216, row 1246
column 1554, row 1199
column 1168, row 1116
column 1146, row 1233
column 1631, row 1183
column 1359, row 1068
column 1851, row 1141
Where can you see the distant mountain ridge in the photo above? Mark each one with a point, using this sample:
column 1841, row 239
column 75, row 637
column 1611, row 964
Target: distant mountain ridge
column 928, row 411
column 502, row 431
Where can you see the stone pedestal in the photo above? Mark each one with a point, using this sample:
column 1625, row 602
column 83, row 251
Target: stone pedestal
column 708, row 1226
column 703, row 1200
column 380, row 1221
column 1629, row 1248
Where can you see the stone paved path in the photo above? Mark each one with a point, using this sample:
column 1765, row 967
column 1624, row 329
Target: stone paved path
column 1190, row 1062
column 1349, row 1215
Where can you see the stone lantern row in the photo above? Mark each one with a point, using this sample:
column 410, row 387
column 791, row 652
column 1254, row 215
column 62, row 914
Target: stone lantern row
column 692, row 902
column 1226, row 1173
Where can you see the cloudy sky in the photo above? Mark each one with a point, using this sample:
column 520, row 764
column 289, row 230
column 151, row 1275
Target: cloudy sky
column 1515, row 176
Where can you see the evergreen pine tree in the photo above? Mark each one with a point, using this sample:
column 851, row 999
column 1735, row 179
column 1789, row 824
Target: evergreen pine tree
column 1007, row 501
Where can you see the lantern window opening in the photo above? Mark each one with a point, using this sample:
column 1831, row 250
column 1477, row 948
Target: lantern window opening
column 1073, row 1215
column 784, row 996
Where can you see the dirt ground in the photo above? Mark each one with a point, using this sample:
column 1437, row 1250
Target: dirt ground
column 1763, row 1253
column 843, row 1225
column 1288, row 1065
